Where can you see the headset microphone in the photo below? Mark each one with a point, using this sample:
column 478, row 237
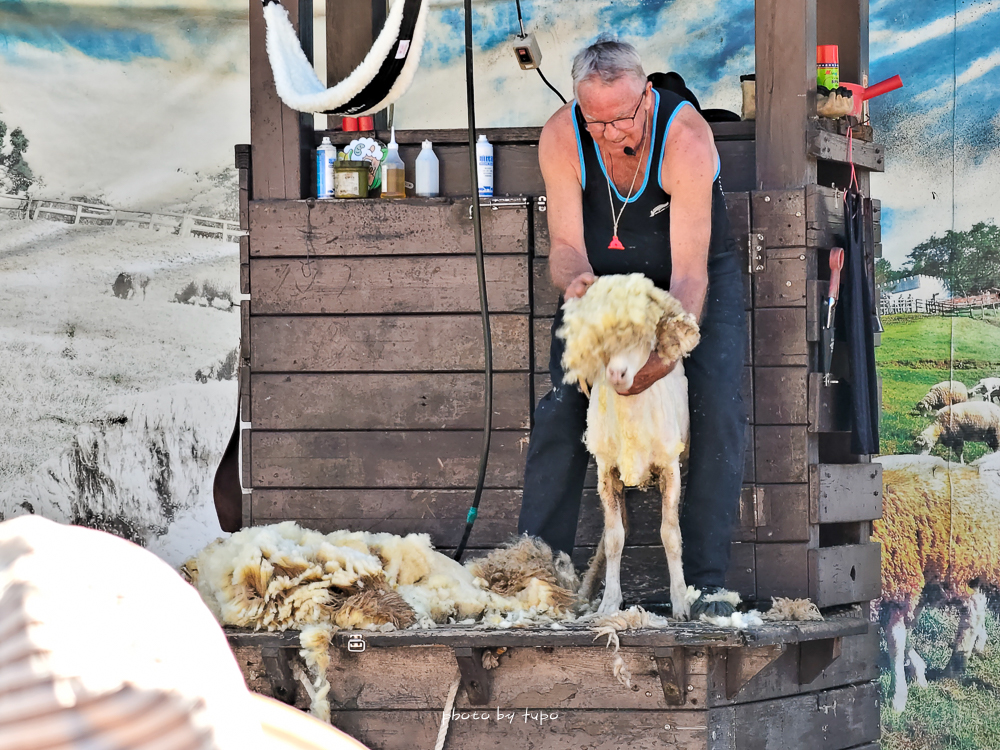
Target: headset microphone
column 629, row 151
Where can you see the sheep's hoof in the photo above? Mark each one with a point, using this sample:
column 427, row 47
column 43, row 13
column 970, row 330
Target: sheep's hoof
column 609, row 606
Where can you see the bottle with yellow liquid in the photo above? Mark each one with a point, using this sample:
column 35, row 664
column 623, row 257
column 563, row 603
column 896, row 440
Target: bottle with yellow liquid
column 393, row 173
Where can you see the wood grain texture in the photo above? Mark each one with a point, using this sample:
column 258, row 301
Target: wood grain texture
column 415, row 226
column 785, row 44
column 833, row 147
column 845, row 492
column 430, row 284
column 811, row 721
column 829, row 405
column 374, row 401
column 564, row 678
column 782, row 283
column 786, row 513
column 571, row 730
column 385, row 343
column 846, row 574
column 780, row 396
column 782, row 453
column 780, row 337
column 782, row 570
column 411, row 459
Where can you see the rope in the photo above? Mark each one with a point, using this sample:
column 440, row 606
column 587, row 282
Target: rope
column 446, row 716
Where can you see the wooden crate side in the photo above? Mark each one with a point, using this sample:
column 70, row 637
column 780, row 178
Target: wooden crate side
column 783, row 453
column 842, row 493
column 410, row 459
column 846, row 574
column 415, row 226
column 811, row 720
column 858, row 662
column 781, row 395
column 783, row 281
column 829, row 405
column 429, row 284
column 568, row 730
column 780, row 215
column 440, row 513
column 562, row 678
column 387, row 343
column 782, row 570
column 786, row 513
column 541, row 342
column 780, row 339
column 399, row 401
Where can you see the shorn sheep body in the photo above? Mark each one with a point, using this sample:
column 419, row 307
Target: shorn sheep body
column 987, row 389
column 940, row 536
column 942, row 394
column 610, row 332
column 955, row 425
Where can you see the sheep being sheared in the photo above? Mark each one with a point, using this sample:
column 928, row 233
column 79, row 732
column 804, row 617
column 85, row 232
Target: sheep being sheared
column 942, row 394
column 940, row 536
column 610, row 332
column 974, row 421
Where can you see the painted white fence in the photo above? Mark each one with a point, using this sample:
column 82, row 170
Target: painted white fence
column 76, row 212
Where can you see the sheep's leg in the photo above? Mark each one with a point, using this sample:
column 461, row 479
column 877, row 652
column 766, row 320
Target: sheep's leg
column 594, row 572
column 969, row 623
column 917, row 671
column 960, row 450
column 612, row 492
column 979, row 607
column 670, row 535
column 895, row 637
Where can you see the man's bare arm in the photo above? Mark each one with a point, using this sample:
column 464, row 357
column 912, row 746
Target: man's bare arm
column 688, row 175
column 569, row 268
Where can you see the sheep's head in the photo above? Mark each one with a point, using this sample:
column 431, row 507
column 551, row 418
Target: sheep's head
column 978, row 392
column 611, row 330
column 926, row 440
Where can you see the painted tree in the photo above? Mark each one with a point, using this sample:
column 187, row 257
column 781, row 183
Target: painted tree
column 969, row 261
column 15, row 174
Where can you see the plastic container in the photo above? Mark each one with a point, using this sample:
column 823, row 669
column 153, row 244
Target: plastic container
column 427, row 179
column 350, row 179
column 326, row 156
column 748, row 85
column 828, row 66
column 484, row 167
column 393, row 174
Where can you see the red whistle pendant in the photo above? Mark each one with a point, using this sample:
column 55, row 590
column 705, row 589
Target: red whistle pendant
column 615, row 244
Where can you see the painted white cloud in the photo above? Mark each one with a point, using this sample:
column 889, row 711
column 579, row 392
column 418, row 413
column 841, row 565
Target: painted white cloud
column 886, row 40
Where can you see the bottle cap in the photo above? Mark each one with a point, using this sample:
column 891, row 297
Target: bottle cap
column 425, row 144
column 827, row 54
column 392, row 139
column 482, row 139
column 326, row 141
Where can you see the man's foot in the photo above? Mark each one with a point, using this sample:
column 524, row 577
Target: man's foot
column 714, row 601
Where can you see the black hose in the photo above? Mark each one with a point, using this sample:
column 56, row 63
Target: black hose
column 477, row 224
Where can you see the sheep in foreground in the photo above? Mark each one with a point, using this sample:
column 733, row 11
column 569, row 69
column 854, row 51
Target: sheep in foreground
column 942, row 394
column 987, row 389
column 940, row 536
column 954, row 426
column 610, row 332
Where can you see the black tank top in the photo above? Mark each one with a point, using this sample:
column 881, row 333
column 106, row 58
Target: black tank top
column 644, row 227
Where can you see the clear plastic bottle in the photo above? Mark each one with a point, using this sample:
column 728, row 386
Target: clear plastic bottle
column 427, row 168
column 484, row 167
column 326, row 155
column 393, row 172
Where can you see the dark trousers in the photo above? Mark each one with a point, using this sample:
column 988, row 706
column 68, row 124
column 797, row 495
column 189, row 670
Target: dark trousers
column 557, row 457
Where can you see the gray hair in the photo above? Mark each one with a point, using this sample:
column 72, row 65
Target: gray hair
column 608, row 60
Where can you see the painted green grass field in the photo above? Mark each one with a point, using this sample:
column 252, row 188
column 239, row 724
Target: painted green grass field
column 918, row 351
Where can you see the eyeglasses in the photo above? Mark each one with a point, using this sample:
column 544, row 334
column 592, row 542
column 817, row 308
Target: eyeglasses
column 624, row 123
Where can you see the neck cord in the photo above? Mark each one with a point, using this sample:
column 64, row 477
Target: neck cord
column 616, row 243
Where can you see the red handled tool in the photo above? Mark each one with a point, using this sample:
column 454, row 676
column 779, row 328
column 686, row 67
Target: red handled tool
column 836, row 264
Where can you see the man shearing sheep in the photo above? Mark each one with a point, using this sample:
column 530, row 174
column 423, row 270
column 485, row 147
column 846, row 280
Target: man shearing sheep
column 632, row 183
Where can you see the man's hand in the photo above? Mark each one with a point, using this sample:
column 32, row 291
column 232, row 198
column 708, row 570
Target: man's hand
column 578, row 286
column 654, row 369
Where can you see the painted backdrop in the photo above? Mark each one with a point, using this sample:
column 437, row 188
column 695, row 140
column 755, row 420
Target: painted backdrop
column 117, row 290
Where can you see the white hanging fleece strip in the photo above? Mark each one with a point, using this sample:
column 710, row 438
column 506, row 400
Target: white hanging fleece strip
column 300, row 88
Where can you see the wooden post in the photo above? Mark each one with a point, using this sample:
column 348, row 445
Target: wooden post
column 351, row 27
column 785, row 32
column 280, row 137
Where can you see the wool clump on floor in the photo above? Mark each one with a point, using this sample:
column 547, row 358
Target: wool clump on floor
column 284, row 577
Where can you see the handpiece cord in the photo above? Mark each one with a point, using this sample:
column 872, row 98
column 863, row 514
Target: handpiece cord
column 481, row 274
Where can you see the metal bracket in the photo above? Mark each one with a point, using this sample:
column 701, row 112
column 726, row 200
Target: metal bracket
column 757, row 254
column 815, row 656
column 671, row 666
column 743, row 664
column 278, row 668
column 497, row 203
column 542, row 203
column 477, row 680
